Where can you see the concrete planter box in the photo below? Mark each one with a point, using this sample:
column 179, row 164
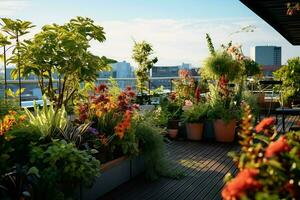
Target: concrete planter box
column 113, row 174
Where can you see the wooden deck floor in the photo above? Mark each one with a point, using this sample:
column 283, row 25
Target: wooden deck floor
column 205, row 165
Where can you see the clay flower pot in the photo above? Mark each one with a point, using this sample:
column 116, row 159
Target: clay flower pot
column 172, row 133
column 194, row 131
column 224, row 132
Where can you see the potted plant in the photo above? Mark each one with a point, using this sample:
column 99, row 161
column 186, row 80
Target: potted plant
column 173, row 110
column 224, row 121
column 194, row 115
column 224, row 68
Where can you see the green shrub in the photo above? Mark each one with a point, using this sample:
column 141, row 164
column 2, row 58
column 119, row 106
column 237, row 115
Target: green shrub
column 152, row 146
column 61, row 166
column 221, row 64
column 196, row 113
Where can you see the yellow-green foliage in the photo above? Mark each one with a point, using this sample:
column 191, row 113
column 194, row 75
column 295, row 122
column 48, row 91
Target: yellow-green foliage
column 47, row 119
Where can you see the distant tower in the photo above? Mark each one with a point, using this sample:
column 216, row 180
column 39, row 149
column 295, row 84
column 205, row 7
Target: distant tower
column 269, row 57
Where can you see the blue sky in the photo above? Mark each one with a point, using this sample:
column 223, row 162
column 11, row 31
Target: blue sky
column 176, row 28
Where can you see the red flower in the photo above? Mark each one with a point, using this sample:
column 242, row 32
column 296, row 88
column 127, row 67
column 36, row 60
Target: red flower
column 101, row 88
column 265, row 123
column 131, row 94
column 238, row 186
column 128, row 88
column 277, row 147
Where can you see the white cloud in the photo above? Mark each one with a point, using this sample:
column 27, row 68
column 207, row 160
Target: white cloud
column 10, row 7
column 177, row 41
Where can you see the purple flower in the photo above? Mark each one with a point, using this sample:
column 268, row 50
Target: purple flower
column 93, row 130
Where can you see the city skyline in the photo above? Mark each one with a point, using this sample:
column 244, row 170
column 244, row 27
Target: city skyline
column 176, row 29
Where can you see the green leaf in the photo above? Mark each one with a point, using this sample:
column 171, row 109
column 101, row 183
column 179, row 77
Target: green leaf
column 34, row 171
column 10, row 93
column 20, row 91
column 275, row 164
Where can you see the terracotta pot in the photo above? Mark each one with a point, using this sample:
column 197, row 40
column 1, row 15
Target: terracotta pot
column 194, row 131
column 172, row 133
column 224, row 132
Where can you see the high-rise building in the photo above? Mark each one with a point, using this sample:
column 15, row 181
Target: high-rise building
column 269, row 57
column 120, row 70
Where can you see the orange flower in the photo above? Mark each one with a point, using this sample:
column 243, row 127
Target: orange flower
column 8, row 121
column 124, row 125
column 238, row 186
column 183, row 73
column 265, row 123
column 22, row 118
column 277, row 147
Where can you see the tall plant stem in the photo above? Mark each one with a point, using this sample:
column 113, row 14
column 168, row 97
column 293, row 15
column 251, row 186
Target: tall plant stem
column 19, row 70
column 5, row 76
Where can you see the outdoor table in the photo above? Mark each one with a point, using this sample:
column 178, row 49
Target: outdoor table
column 286, row 111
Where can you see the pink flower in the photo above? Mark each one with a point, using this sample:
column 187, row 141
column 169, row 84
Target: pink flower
column 187, row 105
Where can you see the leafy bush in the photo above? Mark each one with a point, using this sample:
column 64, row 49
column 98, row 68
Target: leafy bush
column 61, row 166
column 222, row 64
column 21, row 138
column 195, row 113
column 222, row 107
column 290, row 75
column 152, row 146
column 7, row 105
column 252, row 101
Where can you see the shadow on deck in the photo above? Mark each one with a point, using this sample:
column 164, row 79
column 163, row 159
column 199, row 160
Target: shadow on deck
column 205, row 165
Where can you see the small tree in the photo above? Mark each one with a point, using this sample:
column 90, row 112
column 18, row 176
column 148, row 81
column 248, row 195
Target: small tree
column 64, row 50
column 141, row 55
column 4, row 42
column 290, row 76
column 16, row 29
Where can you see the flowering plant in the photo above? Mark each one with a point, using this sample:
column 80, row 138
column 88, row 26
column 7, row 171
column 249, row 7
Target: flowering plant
column 6, row 124
column 184, row 87
column 269, row 164
column 194, row 113
column 9, row 121
column 111, row 115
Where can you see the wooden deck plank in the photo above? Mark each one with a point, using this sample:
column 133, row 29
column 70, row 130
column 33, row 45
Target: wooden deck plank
column 217, row 194
column 139, row 182
column 215, row 174
column 143, row 186
column 197, row 153
column 205, row 165
column 195, row 173
column 138, row 188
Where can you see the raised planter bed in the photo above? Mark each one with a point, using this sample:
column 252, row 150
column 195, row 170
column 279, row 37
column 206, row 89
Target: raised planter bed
column 113, row 174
